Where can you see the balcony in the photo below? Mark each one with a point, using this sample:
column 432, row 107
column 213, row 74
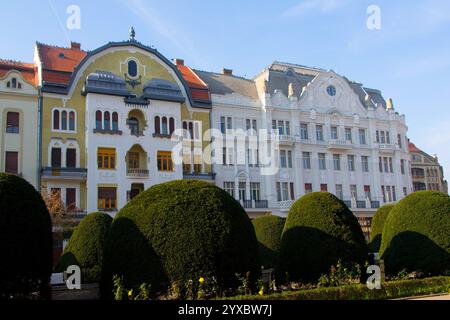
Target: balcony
column 339, row 144
column 387, row 147
column 137, row 173
column 286, row 139
column 57, row 173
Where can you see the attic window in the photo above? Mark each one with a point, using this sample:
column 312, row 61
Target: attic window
column 61, row 54
column 14, row 84
column 331, row 90
column 132, row 68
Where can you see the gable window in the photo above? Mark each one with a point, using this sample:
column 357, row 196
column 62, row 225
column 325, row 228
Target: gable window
column 56, row 158
column 12, row 122
column 132, row 68
column 115, row 121
column 98, row 120
column 64, row 120
column 12, row 162
column 106, row 120
column 106, row 158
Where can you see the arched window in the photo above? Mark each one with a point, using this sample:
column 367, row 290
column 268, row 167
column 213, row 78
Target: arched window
column 72, row 121
column 55, row 119
column 185, row 130
column 115, row 121
column 132, row 68
column 157, row 125
column 14, row 82
column 106, row 119
column 64, row 120
column 133, row 123
column 164, row 125
column 98, row 120
column 171, row 125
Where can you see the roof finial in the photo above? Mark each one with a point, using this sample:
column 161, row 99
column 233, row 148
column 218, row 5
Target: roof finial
column 132, row 34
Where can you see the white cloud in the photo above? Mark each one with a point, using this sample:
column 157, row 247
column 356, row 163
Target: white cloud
column 313, row 6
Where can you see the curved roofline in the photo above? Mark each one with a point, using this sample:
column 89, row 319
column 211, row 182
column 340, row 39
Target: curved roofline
column 126, row 44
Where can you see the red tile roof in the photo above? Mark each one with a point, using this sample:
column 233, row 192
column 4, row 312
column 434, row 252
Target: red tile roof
column 412, row 147
column 199, row 90
column 58, row 63
column 27, row 70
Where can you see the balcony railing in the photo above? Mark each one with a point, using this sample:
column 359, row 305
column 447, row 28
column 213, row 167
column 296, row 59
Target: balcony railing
column 339, row 144
column 362, row 204
column 286, row 204
column 284, row 138
column 139, row 173
column 254, row 204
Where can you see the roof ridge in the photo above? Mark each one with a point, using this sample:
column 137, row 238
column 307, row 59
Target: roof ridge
column 225, row 75
column 11, row 62
column 58, row 47
column 297, row 65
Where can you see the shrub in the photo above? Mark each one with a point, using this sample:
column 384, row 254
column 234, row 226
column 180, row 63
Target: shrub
column 376, row 227
column 416, row 234
column 320, row 230
column 176, row 232
column 25, row 239
column 268, row 231
column 86, row 245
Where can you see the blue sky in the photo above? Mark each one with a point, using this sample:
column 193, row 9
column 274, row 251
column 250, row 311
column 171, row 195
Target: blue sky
column 408, row 59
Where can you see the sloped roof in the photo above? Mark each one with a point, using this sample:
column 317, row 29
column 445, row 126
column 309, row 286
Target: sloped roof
column 228, row 84
column 27, row 70
column 412, row 147
column 199, row 90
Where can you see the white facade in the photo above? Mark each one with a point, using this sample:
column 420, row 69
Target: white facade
column 342, row 117
column 123, row 177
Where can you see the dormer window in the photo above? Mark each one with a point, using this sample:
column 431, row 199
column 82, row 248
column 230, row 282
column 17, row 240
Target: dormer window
column 14, row 84
column 132, row 68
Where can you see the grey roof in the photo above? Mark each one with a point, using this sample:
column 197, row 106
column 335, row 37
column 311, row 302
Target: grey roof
column 225, row 84
column 107, row 83
column 160, row 89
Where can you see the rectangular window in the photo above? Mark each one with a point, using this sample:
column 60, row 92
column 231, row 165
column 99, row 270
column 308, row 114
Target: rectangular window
column 391, row 166
column 291, row 190
column 388, row 139
column 382, row 137
column 229, row 187
column 337, row 162
column 285, row 190
column 380, row 163
column 12, row 122
column 351, row 162
column 383, row 192
column 319, row 132
column 308, row 188
column 56, row 157
column 367, row 192
column 11, row 162
column 255, row 191
column 365, row 163
column 274, row 126
column 399, row 141
column 222, row 125
column 279, row 196
column 71, row 198
column 394, row 196
column 362, row 136
column 133, row 160
column 348, row 134
column 165, row 162
column 353, row 191
column 377, row 138
column 287, row 128
column 242, row 191
column 386, row 165
column 388, row 192
column 229, row 123
column 304, row 131
column 334, row 133
column 324, row 187
column 106, row 158
column 289, row 159
column 405, row 191
column 339, row 191
column 402, row 166
column 283, row 158
column 280, row 127
column 306, row 160
column 71, row 158
column 107, row 198
column 322, row 162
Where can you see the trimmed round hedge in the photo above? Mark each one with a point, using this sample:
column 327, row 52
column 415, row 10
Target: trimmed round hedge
column 376, row 227
column 416, row 234
column 268, row 231
column 319, row 231
column 86, row 245
column 25, row 239
column 177, row 232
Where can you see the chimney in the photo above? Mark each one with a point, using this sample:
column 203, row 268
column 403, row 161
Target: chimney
column 227, row 72
column 178, row 62
column 75, row 45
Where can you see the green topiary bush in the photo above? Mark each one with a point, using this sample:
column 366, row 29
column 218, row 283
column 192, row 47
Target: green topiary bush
column 86, row 245
column 416, row 234
column 376, row 227
column 177, row 232
column 25, row 240
column 268, row 231
column 320, row 230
